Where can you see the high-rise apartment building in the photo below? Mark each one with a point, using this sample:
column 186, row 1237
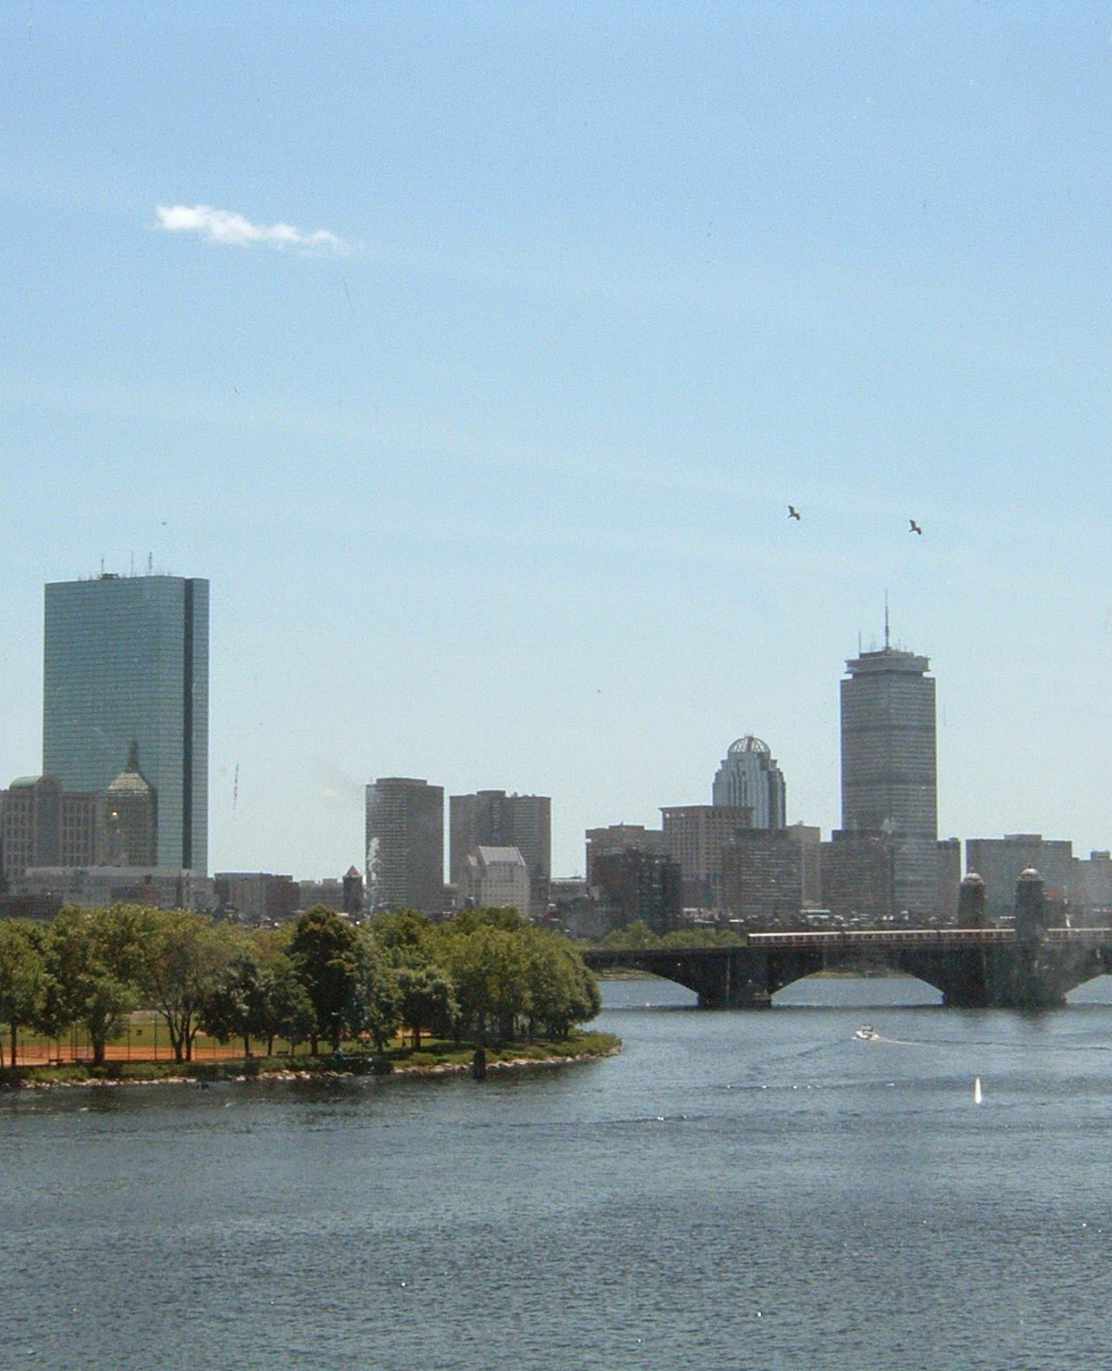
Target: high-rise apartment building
column 749, row 778
column 889, row 779
column 491, row 818
column 126, row 661
column 405, row 845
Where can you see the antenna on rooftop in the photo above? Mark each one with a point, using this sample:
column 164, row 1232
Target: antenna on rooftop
column 886, row 638
column 150, row 558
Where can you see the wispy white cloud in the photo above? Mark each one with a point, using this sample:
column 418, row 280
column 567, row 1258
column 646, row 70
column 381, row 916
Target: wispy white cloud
column 226, row 226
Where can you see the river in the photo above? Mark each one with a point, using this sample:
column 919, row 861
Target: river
column 736, row 1190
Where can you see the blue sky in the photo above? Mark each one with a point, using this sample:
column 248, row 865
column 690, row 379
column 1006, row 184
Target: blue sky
column 491, row 485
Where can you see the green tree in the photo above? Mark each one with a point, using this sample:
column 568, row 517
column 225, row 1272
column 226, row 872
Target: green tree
column 289, row 1010
column 235, row 1006
column 406, row 935
column 322, row 951
column 561, row 989
column 373, row 1004
column 185, row 956
column 633, row 936
column 702, row 937
column 426, row 999
column 22, row 979
column 506, row 918
column 94, row 959
column 487, row 967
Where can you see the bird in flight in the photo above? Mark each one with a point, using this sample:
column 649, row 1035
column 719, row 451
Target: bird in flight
column 913, row 527
column 793, row 513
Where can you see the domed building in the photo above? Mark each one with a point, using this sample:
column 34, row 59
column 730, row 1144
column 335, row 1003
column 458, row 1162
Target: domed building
column 131, row 817
column 749, row 778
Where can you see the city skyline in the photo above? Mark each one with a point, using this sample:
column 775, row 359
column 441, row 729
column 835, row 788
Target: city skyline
column 483, row 415
column 870, row 669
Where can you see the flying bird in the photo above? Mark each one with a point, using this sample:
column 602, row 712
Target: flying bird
column 793, row 513
column 914, row 527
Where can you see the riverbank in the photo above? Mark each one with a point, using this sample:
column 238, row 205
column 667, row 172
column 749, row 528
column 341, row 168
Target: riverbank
column 436, row 1058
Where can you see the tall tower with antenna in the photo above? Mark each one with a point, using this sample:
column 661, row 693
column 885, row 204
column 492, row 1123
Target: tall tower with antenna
column 889, row 764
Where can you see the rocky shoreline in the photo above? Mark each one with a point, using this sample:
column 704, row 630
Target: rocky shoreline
column 285, row 1075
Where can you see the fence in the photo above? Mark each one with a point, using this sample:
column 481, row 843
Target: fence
column 145, row 1040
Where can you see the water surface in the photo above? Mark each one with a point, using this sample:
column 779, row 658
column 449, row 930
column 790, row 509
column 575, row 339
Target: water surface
column 750, row 1190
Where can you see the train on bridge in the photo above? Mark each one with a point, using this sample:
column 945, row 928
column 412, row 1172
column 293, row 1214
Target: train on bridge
column 858, row 938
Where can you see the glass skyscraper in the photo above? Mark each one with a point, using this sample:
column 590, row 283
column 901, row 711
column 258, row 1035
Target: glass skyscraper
column 126, row 660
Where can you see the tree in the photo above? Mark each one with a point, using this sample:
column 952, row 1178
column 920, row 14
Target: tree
column 633, row 936
column 506, row 918
column 373, row 1004
column 22, row 978
column 94, row 960
column 487, row 967
column 289, row 1010
column 406, row 934
column 322, row 952
column 561, row 990
column 702, row 937
column 426, row 999
column 184, row 958
column 235, row 1006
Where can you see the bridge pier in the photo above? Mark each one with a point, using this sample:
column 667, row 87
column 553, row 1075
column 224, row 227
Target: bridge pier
column 737, row 979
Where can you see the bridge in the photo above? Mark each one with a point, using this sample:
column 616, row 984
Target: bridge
column 974, row 968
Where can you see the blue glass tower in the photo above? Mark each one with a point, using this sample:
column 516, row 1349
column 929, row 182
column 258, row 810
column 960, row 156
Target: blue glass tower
column 126, row 660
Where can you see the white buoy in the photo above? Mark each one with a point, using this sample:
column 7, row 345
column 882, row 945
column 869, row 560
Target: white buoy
column 977, row 1090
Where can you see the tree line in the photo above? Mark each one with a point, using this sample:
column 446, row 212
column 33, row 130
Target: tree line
column 484, row 975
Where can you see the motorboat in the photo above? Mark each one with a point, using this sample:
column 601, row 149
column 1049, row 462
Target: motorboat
column 867, row 1033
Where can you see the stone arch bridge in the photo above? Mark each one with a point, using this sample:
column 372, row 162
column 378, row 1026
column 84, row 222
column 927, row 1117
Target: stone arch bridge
column 974, row 968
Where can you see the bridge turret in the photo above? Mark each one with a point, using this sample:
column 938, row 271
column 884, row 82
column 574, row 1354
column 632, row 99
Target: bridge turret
column 1030, row 906
column 971, row 902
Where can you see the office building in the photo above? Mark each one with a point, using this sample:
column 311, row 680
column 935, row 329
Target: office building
column 1091, row 895
column 130, row 817
column 809, row 838
column 405, row 845
column 43, row 825
column 695, row 836
column 256, row 897
column 619, row 838
column 491, row 818
column 126, row 660
column 949, row 878
column 91, row 887
column 999, row 862
column 762, row 875
column 889, row 781
column 858, row 875
column 631, row 886
column 495, row 878
column 749, row 778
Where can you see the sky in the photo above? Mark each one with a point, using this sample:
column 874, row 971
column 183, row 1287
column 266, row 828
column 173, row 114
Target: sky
column 474, row 351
